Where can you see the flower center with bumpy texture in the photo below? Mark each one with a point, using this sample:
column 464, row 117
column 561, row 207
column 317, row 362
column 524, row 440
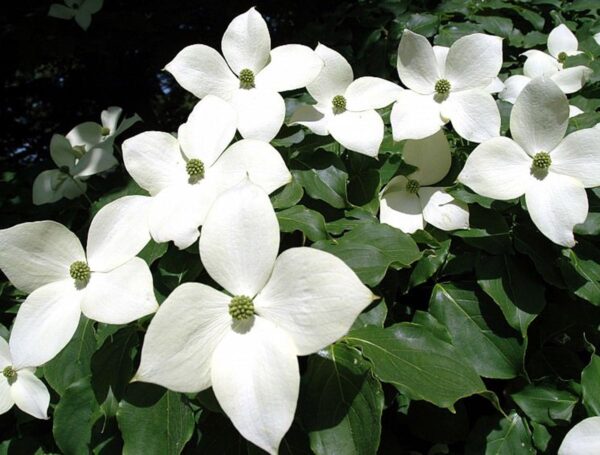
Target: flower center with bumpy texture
column 562, row 56
column 195, row 168
column 412, row 186
column 241, row 307
column 339, row 104
column 246, row 79
column 10, row 373
column 542, row 160
column 79, row 271
column 105, row 131
column 442, row 87
column 78, row 151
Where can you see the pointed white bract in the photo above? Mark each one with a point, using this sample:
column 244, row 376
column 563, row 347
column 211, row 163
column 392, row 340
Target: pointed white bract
column 20, row 386
column 108, row 284
column 551, row 171
column 250, row 76
column 582, row 439
column 346, row 107
column 447, row 85
column 184, row 175
column 245, row 346
column 409, row 203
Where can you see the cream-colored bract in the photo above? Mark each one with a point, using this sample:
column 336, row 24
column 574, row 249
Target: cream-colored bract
column 582, row 439
column 37, row 258
column 303, row 300
column 23, row 388
column 178, row 202
column 410, row 209
column 357, row 126
column 251, row 75
column 463, row 88
column 503, row 168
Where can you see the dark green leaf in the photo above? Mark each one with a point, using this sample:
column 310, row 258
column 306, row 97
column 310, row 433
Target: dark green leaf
column 323, row 176
column 581, row 271
column 299, row 218
column 500, row 436
column 545, row 404
column 590, row 385
column 153, row 251
column 287, row 196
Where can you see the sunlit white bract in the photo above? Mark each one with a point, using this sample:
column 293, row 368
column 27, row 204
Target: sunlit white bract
column 582, row 439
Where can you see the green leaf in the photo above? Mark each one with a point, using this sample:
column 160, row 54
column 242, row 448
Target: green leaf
column 374, row 315
column 73, row 362
column 430, row 263
column 323, row 176
column 590, row 385
column 299, row 218
column 132, row 188
column 546, row 404
column 342, row 403
column 417, row 363
column 488, row 231
column 500, row 436
column 478, row 330
column 514, row 288
column 541, row 251
column 287, row 196
column 153, row 251
column 370, row 249
column 533, row 18
column 74, row 417
column 581, row 271
column 153, row 420
column 177, row 267
column 499, row 26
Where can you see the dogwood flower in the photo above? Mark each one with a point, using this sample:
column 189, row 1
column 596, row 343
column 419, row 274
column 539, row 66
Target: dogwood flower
column 408, row 203
column 20, row 386
column 346, row 108
column 108, row 284
column 251, row 75
column 583, row 438
column 244, row 341
column 452, row 87
column 550, row 171
column 184, row 175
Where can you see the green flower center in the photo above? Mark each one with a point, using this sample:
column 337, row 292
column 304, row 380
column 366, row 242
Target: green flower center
column 105, row 131
column 79, row 271
column 78, row 151
column 442, row 87
column 195, row 168
column 10, row 373
column 246, row 79
column 412, row 186
column 562, row 56
column 542, row 160
column 339, row 104
column 241, row 307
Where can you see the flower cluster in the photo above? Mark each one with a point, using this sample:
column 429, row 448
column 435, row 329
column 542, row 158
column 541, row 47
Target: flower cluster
column 243, row 338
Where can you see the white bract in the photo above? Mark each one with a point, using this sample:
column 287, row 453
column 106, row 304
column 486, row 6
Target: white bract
column 251, row 75
column 184, row 175
column 561, row 43
column 20, row 386
column 108, row 283
column 408, row 203
column 447, row 85
column 550, row 171
column 346, row 108
column 582, row 439
column 243, row 342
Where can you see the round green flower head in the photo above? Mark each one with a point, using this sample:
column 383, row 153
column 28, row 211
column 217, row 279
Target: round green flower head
column 78, row 151
column 562, row 56
column 442, row 87
column 339, row 104
column 195, row 168
column 10, row 373
column 79, row 271
column 241, row 307
column 542, row 160
column 246, row 79
column 412, row 186
column 105, row 131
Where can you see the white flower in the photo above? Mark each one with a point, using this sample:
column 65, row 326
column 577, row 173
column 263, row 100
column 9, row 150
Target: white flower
column 185, row 174
column 346, row 109
column 452, row 87
column 551, row 171
column 582, row 439
column 407, row 203
column 244, row 342
column 561, row 43
column 20, row 386
column 251, row 76
column 47, row 261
